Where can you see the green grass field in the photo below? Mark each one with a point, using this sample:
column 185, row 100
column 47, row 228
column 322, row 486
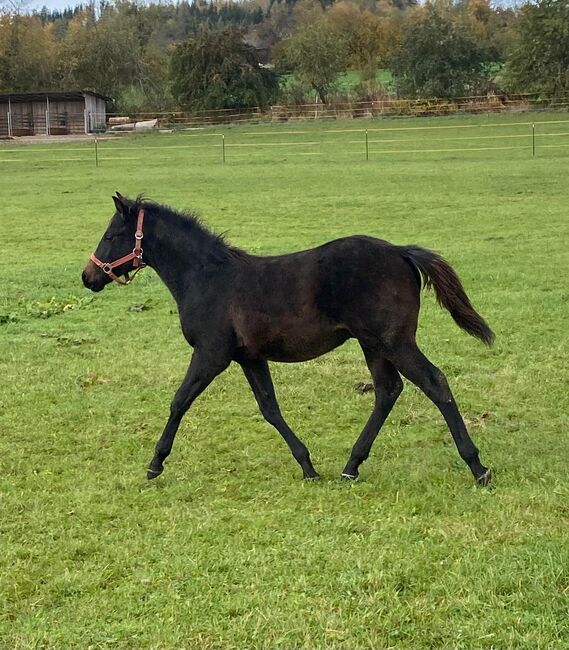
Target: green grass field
column 230, row 548
column 347, row 81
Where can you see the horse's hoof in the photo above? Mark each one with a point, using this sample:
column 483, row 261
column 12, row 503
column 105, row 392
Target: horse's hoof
column 349, row 477
column 153, row 473
column 311, row 477
column 485, row 479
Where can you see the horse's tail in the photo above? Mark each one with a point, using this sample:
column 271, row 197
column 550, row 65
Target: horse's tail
column 439, row 274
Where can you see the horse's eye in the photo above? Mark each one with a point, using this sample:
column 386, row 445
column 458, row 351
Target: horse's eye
column 108, row 236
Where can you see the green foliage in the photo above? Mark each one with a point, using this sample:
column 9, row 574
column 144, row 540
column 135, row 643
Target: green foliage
column 295, row 92
column 112, row 53
column 315, row 54
column 219, row 70
column 6, row 73
column 369, row 38
column 439, row 58
column 175, row 23
column 539, row 61
column 55, row 306
column 133, row 99
column 123, row 49
column 120, row 51
column 26, row 54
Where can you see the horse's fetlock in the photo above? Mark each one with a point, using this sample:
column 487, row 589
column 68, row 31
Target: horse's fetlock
column 303, row 456
column 360, row 458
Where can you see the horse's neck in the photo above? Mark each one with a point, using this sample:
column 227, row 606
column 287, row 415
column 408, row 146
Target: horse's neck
column 178, row 258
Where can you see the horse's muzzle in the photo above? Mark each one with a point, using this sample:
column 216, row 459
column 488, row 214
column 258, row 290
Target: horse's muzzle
column 93, row 279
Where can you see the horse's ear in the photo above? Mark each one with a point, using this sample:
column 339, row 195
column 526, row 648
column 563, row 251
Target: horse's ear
column 121, row 204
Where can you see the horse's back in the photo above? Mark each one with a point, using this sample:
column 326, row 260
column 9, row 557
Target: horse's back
column 361, row 275
column 300, row 305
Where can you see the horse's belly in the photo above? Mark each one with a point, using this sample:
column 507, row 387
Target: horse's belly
column 301, row 348
column 287, row 337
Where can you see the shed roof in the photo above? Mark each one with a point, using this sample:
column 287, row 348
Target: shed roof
column 55, row 95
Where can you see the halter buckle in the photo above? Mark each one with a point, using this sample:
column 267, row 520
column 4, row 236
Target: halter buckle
column 106, row 268
column 138, row 235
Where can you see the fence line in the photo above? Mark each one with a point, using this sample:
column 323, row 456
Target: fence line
column 356, row 109
column 106, row 150
column 395, row 151
column 448, row 126
column 473, row 137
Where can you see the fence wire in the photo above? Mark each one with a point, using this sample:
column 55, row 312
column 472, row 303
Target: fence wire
column 371, row 144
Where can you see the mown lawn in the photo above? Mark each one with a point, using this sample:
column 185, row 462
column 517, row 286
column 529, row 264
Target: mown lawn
column 230, row 548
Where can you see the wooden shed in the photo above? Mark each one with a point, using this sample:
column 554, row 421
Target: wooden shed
column 52, row 113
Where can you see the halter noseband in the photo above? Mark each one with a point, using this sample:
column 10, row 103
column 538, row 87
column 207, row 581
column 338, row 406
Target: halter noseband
column 135, row 256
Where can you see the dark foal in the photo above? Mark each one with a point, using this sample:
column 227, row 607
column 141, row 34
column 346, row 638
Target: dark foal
column 239, row 307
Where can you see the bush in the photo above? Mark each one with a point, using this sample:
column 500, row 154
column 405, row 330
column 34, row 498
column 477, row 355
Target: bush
column 218, row 70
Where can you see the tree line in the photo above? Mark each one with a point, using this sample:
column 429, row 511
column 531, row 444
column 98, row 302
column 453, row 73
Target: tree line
column 200, row 55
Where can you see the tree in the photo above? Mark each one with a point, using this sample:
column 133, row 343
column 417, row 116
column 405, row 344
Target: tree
column 539, row 61
column 219, row 70
column 27, row 54
column 439, row 58
column 316, row 53
column 369, row 38
column 489, row 26
column 112, row 54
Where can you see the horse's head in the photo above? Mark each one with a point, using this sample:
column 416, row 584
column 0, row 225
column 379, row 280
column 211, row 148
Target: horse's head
column 120, row 249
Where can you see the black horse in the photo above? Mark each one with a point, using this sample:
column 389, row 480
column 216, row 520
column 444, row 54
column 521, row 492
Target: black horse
column 239, row 307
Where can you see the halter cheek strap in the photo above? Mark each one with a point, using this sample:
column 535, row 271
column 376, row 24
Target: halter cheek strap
column 135, row 256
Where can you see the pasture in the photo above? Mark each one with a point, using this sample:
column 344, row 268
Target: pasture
column 229, row 548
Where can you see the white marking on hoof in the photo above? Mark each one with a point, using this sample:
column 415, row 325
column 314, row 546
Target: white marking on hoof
column 350, row 476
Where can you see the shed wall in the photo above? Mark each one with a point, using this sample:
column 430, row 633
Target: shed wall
column 65, row 116
column 97, row 112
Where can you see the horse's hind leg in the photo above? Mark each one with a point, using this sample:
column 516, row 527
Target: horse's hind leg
column 388, row 386
column 413, row 364
column 259, row 378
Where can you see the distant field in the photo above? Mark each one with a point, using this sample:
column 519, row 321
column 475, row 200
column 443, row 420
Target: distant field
column 230, row 548
column 348, row 80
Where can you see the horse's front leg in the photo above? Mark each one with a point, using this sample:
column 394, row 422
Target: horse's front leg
column 204, row 368
column 259, row 378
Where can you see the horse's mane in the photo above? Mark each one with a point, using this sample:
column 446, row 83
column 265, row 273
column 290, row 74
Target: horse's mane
column 193, row 224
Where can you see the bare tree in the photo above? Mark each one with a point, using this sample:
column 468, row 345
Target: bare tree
column 13, row 7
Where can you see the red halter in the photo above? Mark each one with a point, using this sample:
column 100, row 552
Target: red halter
column 135, row 256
